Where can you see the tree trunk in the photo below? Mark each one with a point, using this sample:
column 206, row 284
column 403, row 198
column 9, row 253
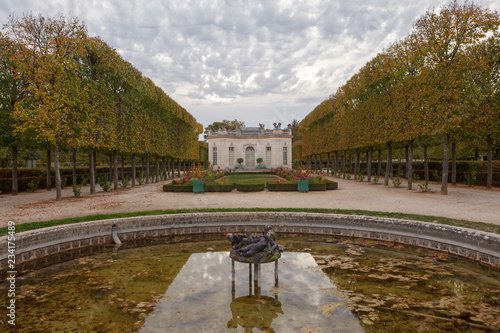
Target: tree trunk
column 476, row 154
column 356, row 165
column 148, row 168
column 133, row 170
column 157, row 170
column 350, row 163
column 426, row 165
column 406, row 161
column 379, row 163
column 489, row 179
column 115, row 172
column 110, row 167
column 446, row 157
column 343, row 164
column 336, row 163
column 178, row 168
column 164, row 169
column 369, row 164
column 123, row 166
column 15, row 187
column 142, row 166
column 92, row 172
column 57, row 172
column 314, row 165
column 320, row 164
column 49, row 178
column 94, row 153
column 328, row 164
column 409, row 164
column 453, row 163
column 388, row 164
column 74, row 166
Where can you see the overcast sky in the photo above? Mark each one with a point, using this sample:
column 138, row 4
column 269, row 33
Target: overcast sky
column 256, row 61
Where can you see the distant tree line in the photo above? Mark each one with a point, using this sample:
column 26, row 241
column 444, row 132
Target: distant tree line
column 441, row 81
column 60, row 88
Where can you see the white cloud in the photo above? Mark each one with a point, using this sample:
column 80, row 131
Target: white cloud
column 251, row 60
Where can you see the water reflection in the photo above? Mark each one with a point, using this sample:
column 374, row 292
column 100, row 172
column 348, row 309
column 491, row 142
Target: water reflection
column 203, row 298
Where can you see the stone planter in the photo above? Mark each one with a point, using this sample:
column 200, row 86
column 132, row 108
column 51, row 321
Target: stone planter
column 240, row 166
column 303, row 185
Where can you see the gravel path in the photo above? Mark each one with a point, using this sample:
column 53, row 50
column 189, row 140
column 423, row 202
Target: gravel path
column 473, row 204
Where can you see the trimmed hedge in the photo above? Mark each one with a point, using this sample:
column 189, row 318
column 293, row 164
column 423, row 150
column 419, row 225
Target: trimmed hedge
column 219, row 188
column 168, row 188
column 332, row 185
column 183, row 188
column 317, row 187
column 281, row 187
column 250, row 187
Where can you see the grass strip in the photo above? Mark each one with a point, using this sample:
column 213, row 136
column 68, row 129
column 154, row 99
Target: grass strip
column 487, row 227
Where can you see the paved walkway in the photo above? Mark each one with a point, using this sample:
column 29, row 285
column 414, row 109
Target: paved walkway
column 473, row 204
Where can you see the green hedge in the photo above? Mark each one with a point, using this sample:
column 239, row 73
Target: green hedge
column 183, row 188
column 281, row 187
column 219, row 188
column 168, row 188
column 26, row 175
column 332, row 185
column 250, row 187
column 317, row 187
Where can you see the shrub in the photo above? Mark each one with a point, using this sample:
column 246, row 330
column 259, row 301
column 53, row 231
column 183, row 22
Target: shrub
column 34, row 184
column 168, row 188
column 141, row 178
column 470, row 178
column 244, row 187
column 317, row 187
column 125, row 182
column 219, row 188
column 375, row 179
column 63, row 182
column 183, row 188
column 424, row 187
column 282, row 186
column 437, row 176
column 332, row 185
column 104, row 183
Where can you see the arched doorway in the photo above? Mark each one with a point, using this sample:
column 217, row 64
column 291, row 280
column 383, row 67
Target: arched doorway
column 250, row 157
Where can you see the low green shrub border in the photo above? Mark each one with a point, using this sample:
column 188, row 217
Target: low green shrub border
column 183, row 188
column 332, row 185
column 317, row 187
column 219, row 188
column 168, row 188
column 281, row 187
column 250, row 187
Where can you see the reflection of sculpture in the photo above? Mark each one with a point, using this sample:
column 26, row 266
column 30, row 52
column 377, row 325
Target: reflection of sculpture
column 254, row 312
column 255, row 248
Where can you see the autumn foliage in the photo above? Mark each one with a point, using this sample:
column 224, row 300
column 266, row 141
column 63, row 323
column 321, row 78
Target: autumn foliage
column 441, row 79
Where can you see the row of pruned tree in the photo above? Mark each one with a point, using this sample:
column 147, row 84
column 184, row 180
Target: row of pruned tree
column 440, row 81
column 62, row 88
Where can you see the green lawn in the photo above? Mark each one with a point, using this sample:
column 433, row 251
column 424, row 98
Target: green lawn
column 252, row 178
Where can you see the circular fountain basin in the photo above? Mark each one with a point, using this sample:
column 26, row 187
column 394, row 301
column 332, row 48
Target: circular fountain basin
column 320, row 284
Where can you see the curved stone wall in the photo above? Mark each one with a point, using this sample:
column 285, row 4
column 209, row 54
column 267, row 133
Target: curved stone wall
column 36, row 244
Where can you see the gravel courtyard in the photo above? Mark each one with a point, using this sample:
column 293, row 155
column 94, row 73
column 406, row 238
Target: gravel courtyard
column 473, row 204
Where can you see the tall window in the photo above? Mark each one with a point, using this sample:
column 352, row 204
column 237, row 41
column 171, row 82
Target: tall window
column 231, row 157
column 268, row 157
column 215, row 155
column 285, row 155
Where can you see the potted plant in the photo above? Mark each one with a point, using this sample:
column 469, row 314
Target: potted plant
column 240, row 160
column 259, row 160
column 303, row 179
column 198, row 175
